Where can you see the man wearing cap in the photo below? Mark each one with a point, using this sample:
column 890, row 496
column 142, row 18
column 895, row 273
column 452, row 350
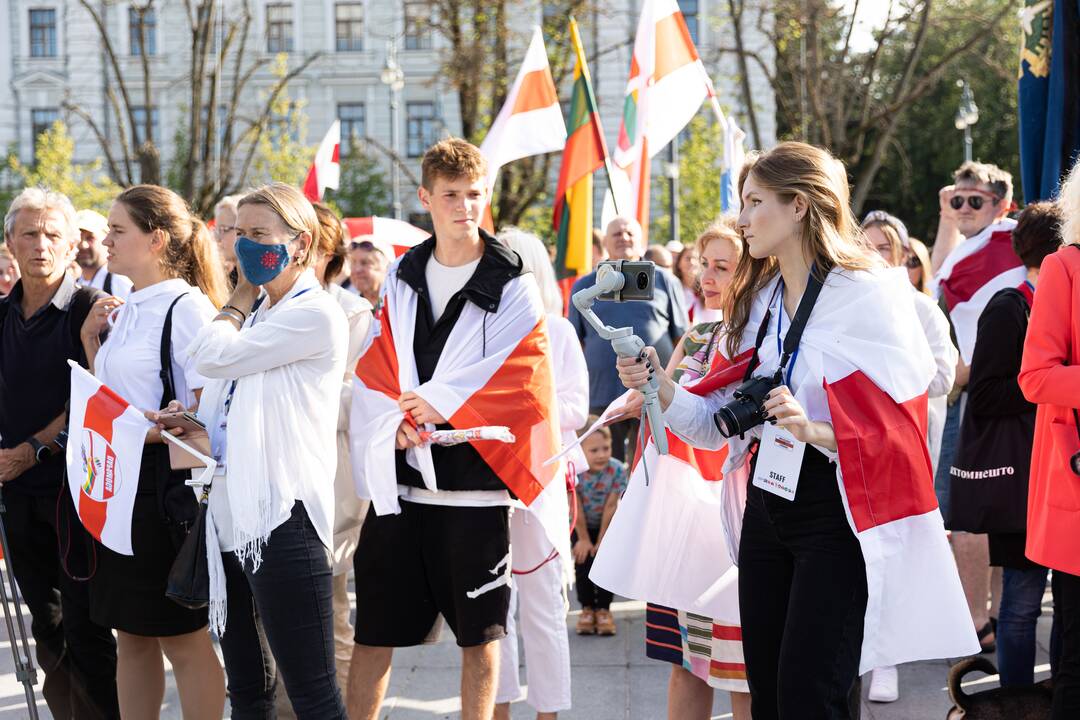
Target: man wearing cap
column 91, row 257
column 368, row 261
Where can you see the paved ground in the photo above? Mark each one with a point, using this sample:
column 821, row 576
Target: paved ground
column 612, row 681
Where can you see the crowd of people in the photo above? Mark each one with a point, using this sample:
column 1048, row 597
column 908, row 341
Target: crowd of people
column 860, row 433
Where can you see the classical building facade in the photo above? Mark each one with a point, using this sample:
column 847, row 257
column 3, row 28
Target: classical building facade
column 55, row 60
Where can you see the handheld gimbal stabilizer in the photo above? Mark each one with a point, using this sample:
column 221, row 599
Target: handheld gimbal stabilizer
column 622, row 280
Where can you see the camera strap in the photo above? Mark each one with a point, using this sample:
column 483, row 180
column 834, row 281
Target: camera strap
column 798, row 323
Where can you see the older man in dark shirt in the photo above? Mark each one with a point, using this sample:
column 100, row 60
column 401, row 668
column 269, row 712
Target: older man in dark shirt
column 660, row 323
column 39, row 333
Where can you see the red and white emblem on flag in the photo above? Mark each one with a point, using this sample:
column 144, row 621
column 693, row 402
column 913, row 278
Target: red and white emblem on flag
column 104, row 458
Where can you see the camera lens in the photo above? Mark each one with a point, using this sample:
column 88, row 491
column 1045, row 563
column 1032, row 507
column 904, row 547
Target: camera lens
column 642, row 281
column 726, row 422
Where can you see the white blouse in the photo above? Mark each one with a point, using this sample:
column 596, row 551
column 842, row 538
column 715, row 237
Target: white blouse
column 281, row 431
column 129, row 361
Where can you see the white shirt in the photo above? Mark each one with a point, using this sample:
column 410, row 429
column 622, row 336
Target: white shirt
column 444, row 281
column 571, row 377
column 120, row 285
column 130, row 359
column 281, row 435
column 936, row 327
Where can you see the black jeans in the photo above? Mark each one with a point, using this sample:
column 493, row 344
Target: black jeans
column 77, row 656
column 1067, row 678
column 283, row 612
column 802, row 597
column 589, row 594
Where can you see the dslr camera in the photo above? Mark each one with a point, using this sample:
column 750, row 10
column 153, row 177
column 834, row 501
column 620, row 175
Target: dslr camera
column 745, row 412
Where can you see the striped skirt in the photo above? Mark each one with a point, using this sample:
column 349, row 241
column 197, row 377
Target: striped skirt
column 706, row 649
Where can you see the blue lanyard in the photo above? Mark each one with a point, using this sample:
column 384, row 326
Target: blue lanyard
column 779, row 343
column 232, row 387
column 1031, row 285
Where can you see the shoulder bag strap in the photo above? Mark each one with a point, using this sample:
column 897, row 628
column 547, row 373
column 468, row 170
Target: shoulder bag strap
column 168, row 383
column 798, row 324
column 107, row 285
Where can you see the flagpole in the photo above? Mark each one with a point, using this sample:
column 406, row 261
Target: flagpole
column 575, row 39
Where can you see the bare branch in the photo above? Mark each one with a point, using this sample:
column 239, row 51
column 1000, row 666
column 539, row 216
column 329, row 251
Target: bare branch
column 114, row 170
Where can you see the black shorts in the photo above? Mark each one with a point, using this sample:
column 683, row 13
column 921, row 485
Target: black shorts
column 431, row 560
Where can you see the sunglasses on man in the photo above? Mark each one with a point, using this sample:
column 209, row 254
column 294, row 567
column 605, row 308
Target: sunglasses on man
column 975, row 202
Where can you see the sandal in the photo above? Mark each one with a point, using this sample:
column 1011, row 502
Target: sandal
column 987, row 629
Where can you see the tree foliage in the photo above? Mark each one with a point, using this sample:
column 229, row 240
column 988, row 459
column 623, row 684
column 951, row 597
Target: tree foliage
column 87, row 185
column 363, row 187
column 282, row 153
column 700, row 156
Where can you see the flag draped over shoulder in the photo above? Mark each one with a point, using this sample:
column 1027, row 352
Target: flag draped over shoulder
column 104, row 457
column 875, row 368
column 666, row 542
column 972, row 274
column 1049, row 94
column 583, row 155
column 530, row 121
column 496, row 370
column 667, row 85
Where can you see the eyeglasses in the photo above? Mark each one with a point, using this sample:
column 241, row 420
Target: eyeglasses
column 973, row 201
column 913, row 262
column 362, row 245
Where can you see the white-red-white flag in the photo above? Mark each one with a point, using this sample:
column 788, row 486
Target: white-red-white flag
column 972, row 274
column 397, row 236
column 667, row 85
column 531, row 121
column 104, row 457
column 325, row 172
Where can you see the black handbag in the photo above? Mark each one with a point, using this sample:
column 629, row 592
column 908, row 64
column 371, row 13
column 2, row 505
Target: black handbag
column 189, row 579
column 988, row 480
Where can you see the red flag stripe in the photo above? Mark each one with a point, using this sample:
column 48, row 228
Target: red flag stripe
column 537, row 91
column 378, row 367
column 102, row 409
column 973, row 272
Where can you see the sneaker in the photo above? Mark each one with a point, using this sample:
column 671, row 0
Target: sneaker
column 605, row 624
column 884, row 685
column 586, row 622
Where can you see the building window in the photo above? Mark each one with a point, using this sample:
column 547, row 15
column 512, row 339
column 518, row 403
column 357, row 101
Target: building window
column 43, row 33
column 422, row 127
column 417, row 25
column 349, row 26
column 689, row 10
column 279, row 30
column 353, row 123
column 41, row 119
column 148, row 30
column 138, row 133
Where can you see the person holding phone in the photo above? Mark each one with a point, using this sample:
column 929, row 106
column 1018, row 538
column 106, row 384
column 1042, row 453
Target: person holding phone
column 828, row 529
column 275, row 355
column 178, row 283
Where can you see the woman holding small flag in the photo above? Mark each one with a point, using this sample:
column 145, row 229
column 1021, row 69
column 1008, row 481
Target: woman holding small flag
column 843, row 561
column 178, row 284
column 276, row 357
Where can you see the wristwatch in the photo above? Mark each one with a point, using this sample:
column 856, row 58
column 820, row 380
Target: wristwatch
column 60, row 441
column 41, row 451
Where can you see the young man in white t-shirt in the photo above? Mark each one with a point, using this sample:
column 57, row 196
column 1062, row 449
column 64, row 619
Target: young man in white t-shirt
column 442, row 553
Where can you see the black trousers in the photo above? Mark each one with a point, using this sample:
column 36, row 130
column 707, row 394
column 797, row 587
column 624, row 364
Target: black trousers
column 283, row 612
column 77, row 656
column 802, row 597
column 1067, row 677
column 589, row 594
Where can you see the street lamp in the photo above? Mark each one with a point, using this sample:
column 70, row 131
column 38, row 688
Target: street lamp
column 393, row 77
column 966, row 115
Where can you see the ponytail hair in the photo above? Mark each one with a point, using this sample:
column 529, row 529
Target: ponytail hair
column 190, row 252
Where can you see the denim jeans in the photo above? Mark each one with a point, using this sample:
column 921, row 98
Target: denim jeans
column 283, row 612
column 1021, row 604
column 949, row 442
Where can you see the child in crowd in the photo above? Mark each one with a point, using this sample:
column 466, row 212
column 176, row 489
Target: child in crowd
column 598, row 491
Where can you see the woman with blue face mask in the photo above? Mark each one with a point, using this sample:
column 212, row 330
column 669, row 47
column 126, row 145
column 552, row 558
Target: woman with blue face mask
column 275, row 356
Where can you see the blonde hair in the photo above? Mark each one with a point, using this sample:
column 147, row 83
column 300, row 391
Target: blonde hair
column 190, row 253
column 1069, row 203
column 918, row 249
column 830, row 235
column 723, row 228
column 603, row 431
column 331, row 241
column 896, row 245
column 293, row 208
column 534, row 256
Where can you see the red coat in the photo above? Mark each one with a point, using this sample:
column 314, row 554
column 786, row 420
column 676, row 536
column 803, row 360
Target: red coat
column 1050, row 377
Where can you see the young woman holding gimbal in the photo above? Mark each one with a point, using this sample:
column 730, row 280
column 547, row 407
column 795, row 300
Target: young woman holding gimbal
column 843, row 561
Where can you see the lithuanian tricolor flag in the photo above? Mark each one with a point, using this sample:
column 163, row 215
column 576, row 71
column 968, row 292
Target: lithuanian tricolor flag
column 584, row 153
